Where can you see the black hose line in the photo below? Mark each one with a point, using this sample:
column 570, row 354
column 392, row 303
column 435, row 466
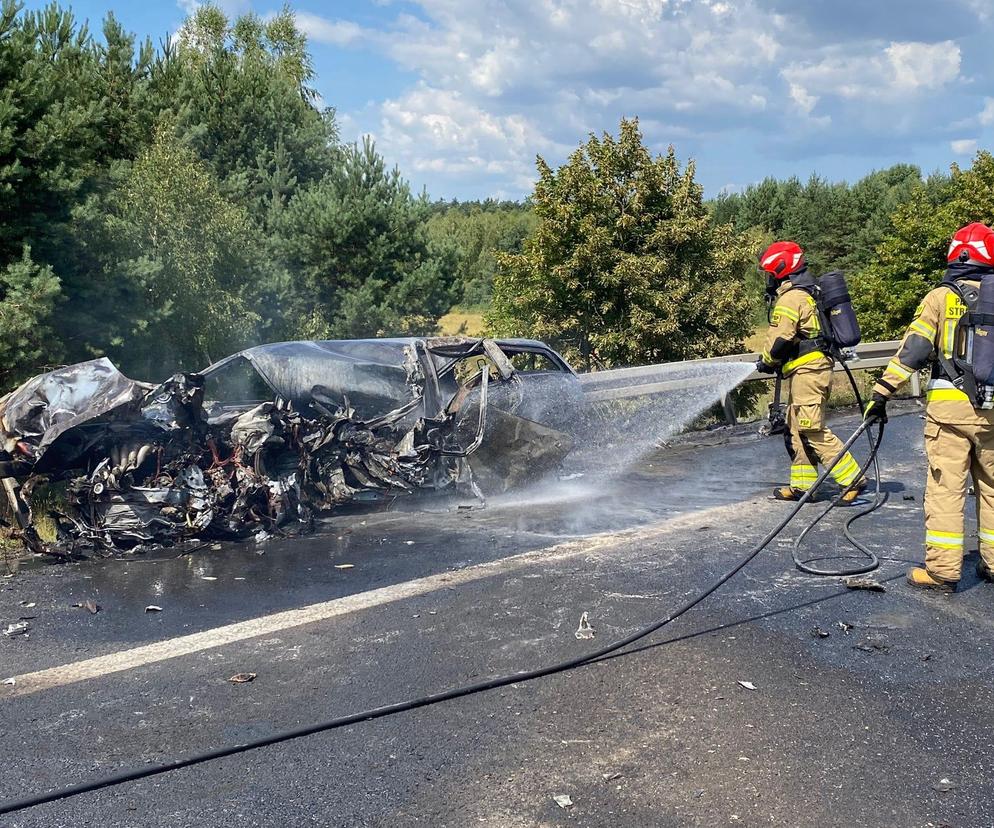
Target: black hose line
column 13, row 806
column 880, row 497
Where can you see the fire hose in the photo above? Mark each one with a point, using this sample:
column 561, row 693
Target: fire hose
column 879, row 498
column 13, row 806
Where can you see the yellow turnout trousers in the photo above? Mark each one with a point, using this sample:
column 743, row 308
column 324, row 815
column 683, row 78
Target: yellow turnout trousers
column 809, row 443
column 955, row 451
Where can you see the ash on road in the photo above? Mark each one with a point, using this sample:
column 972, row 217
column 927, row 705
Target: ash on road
column 883, row 721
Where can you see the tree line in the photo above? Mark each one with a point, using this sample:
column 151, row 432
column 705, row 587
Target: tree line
column 166, row 205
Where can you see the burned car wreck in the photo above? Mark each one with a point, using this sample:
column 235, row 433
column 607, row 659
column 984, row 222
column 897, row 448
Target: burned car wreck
column 272, row 435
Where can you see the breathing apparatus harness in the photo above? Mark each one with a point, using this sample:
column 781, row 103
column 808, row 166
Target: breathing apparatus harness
column 970, row 367
column 838, row 334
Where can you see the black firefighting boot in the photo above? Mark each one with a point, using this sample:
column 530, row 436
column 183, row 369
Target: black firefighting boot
column 919, row 576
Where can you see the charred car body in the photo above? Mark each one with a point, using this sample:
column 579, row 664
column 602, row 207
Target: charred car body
column 273, row 434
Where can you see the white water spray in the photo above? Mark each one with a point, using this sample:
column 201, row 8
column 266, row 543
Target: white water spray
column 613, row 436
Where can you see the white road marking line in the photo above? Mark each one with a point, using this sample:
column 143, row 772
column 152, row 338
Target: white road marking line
column 266, row 625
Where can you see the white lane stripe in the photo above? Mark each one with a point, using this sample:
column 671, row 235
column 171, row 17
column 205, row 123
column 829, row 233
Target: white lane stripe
column 266, row 625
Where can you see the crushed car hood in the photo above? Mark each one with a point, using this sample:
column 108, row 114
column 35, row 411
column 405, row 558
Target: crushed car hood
column 44, row 407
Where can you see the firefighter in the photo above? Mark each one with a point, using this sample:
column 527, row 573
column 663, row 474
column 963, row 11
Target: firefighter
column 794, row 348
column 959, row 438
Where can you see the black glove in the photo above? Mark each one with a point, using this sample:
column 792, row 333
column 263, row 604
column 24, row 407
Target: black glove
column 876, row 409
column 778, row 418
column 764, row 367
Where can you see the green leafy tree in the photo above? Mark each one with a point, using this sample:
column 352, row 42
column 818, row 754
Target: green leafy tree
column 911, row 259
column 29, row 292
column 480, row 232
column 625, row 265
column 171, row 263
column 362, row 261
column 838, row 225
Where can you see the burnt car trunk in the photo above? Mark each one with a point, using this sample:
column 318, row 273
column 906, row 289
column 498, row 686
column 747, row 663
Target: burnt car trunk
column 267, row 437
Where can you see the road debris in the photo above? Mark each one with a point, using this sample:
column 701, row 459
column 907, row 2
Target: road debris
column 270, row 436
column 842, row 625
column 89, row 606
column 563, row 800
column 748, row 685
column 344, row 566
column 873, row 642
column 584, row 631
column 9, row 682
column 153, row 608
column 242, row 678
column 944, row 785
column 869, row 584
column 20, row 628
column 818, row 632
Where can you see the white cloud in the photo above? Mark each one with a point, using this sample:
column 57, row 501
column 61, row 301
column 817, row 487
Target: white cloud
column 321, row 30
column 923, row 65
column 981, row 8
column 555, row 70
column 963, row 146
column 897, row 70
column 496, row 83
column 439, row 131
column 803, row 98
column 987, row 113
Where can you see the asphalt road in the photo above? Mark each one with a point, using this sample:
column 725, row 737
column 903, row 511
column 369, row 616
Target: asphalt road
column 883, row 721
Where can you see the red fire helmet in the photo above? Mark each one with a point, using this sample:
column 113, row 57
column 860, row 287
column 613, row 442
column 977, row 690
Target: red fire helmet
column 975, row 242
column 782, row 258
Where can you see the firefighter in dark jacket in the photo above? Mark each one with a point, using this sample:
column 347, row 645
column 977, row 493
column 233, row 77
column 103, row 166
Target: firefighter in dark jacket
column 959, row 438
column 794, row 348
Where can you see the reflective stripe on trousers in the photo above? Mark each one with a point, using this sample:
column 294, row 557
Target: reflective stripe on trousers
column 802, row 476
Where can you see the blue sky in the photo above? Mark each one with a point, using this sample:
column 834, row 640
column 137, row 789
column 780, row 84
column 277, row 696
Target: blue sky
column 462, row 94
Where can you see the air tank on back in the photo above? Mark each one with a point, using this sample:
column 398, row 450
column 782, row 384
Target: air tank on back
column 982, row 327
column 837, row 306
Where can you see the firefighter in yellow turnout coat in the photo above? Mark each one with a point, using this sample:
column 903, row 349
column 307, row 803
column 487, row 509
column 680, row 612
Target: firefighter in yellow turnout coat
column 959, row 438
column 794, row 348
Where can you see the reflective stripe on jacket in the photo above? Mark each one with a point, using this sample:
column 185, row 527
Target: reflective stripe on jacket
column 933, row 328
column 792, row 338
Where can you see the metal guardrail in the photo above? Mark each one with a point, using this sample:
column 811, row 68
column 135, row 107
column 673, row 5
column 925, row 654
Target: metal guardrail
column 642, row 381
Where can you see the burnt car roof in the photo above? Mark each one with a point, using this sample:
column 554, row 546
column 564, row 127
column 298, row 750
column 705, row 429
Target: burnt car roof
column 386, row 349
column 377, row 374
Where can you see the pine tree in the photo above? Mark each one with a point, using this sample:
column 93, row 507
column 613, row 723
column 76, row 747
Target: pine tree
column 911, row 259
column 29, row 293
column 362, row 260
